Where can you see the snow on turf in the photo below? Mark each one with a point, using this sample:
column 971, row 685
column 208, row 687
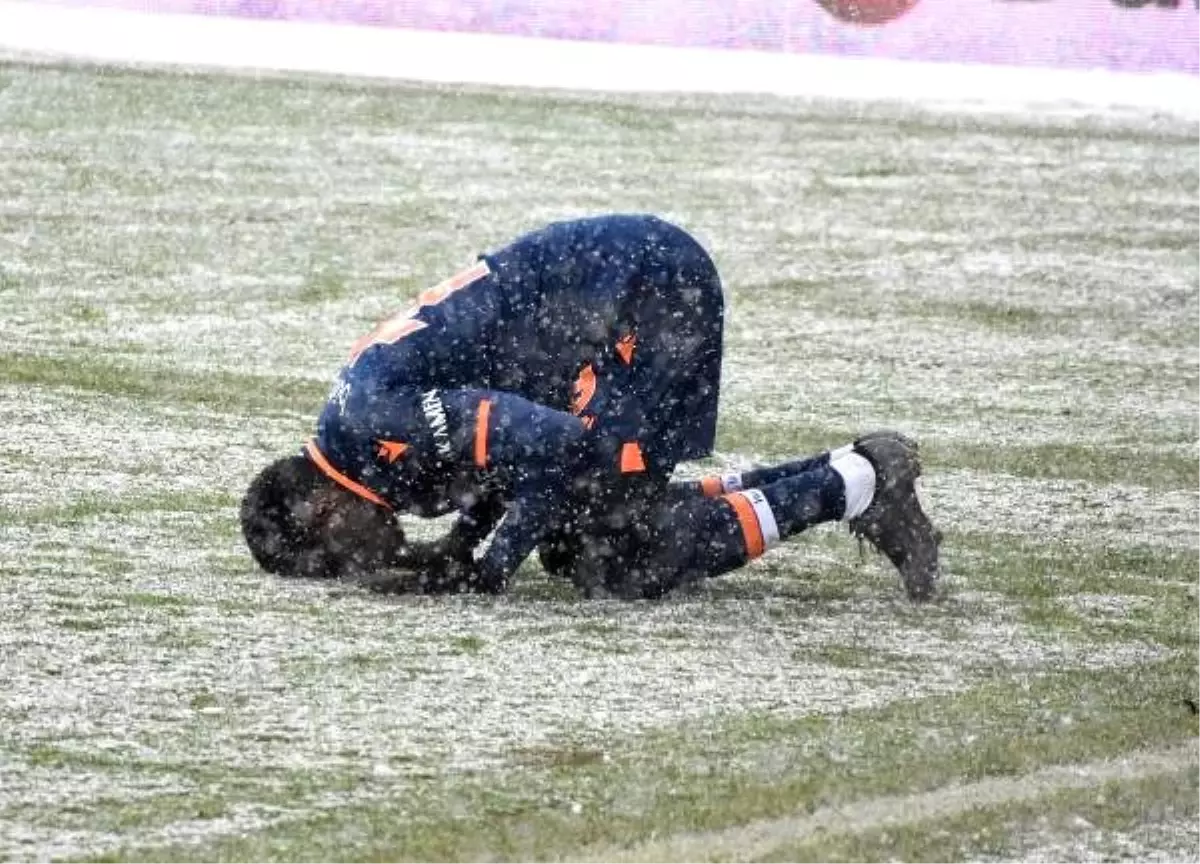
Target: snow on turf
column 230, row 226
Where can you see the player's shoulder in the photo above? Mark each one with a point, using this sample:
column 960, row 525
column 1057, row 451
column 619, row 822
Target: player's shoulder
column 588, row 229
column 617, row 226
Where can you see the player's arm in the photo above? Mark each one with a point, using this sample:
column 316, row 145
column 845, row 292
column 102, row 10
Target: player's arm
column 535, row 453
column 526, row 522
column 526, row 457
column 635, row 410
column 620, row 405
column 473, row 524
column 445, row 565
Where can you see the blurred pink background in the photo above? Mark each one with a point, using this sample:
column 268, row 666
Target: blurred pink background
column 1052, row 33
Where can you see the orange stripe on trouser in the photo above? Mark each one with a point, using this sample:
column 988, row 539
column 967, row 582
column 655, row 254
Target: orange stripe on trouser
column 481, row 433
column 748, row 519
column 339, row 478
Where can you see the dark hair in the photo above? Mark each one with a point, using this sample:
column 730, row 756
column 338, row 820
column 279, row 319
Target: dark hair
column 271, row 524
column 298, row 522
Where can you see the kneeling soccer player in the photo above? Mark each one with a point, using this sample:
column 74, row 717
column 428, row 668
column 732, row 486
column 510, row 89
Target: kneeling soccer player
column 547, row 394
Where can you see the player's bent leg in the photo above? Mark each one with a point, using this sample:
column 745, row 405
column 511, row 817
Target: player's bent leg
column 871, row 484
column 715, row 485
column 701, row 537
column 692, row 539
column 602, row 535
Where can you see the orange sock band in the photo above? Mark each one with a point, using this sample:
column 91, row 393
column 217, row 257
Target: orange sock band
column 751, row 531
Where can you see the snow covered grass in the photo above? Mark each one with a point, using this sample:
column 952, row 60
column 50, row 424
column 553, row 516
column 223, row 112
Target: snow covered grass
column 183, row 262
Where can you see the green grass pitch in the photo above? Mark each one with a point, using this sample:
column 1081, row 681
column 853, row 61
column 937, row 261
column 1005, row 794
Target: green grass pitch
column 185, row 259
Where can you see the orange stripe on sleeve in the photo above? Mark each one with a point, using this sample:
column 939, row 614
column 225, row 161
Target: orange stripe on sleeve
column 339, row 478
column 481, row 432
column 751, row 531
column 711, row 486
column 631, row 458
column 585, row 389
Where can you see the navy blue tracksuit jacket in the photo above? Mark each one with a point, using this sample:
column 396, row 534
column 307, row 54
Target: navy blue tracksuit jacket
column 589, row 348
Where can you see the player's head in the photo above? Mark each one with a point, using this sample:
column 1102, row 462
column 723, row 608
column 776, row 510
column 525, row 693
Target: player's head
column 298, row 522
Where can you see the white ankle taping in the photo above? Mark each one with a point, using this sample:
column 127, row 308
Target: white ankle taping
column 759, row 527
column 765, row 515
column 859, row 477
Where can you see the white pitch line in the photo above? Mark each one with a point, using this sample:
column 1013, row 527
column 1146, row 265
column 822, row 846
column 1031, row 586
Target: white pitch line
column 758, row 839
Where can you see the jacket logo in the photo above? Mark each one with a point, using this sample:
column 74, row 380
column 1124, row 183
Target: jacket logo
column 390, row 451
column 435, row 416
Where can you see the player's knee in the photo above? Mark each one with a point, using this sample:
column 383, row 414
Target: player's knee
column 697, row 540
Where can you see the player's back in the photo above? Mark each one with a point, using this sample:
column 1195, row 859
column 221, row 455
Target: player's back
column 578, row 285
column 526, row 317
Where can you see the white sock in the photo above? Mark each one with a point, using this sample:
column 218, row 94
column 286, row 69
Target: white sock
column 859, row 477
column 766, row 517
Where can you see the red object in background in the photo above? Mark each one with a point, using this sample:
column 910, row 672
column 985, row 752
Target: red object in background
column 867, row 12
